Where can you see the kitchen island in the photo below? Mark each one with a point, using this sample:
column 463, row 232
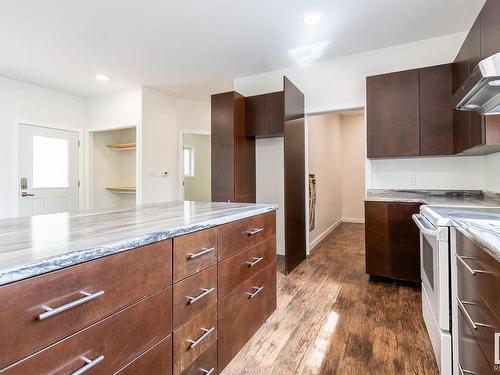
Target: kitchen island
column 160, row 288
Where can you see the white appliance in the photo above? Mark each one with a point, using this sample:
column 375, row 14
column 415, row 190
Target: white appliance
column 435, row 274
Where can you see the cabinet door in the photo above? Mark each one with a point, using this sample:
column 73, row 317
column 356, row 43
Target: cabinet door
column 393, row 114
column 404, row 242
column 275, row 106
column 490, row 28
column 376, row 242
column 436, row 112
column 256, row 116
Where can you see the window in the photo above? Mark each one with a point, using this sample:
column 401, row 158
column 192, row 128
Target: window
column 50, row 162
column 188, row 161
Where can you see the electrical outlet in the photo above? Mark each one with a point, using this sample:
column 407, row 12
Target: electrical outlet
column 413, row 180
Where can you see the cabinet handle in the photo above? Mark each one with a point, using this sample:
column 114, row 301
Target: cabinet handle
column 203, row 251
column 206, row 331
column 251, row 232
column 463, row 372
column 207, row 372
column 205, row 292
column 471, row 270
column 254, row 262
column 89, row 364
column 257, row 291
column 49, row 311
column 474, row 324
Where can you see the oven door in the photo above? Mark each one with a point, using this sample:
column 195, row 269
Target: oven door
column 435, row 265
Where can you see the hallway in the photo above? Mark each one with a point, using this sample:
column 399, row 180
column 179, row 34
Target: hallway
column 331, row 320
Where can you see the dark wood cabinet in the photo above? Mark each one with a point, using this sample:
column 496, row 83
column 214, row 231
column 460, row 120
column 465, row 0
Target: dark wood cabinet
column 436, row 112
column 264, row 115
column 392, row 109
column 392, row 240
column 233, row 153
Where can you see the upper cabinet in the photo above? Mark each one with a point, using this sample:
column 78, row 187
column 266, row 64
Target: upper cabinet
column 264, row 115
column 409, row 114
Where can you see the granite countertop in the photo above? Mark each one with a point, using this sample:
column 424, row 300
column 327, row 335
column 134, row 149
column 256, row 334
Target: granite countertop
column 31, row 246
column 472, row 212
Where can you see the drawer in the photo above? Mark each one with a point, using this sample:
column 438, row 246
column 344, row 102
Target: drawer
column 478, row 274
column 109, row 344
column 194, row 252
column 243, row 311
column 240, row 267
column 157, row 360
column 470, row 357
column 245, row 233
column 482, row 324
column 205, row 363
column 194, row 294
column 113, row 282
column 193, row 338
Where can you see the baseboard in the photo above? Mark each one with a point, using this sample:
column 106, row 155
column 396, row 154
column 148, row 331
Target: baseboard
column 352, row 220
column 280, row 251
column 314, row 243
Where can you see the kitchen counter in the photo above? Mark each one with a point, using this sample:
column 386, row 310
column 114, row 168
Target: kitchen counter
column 31, row 246
column 474, row 198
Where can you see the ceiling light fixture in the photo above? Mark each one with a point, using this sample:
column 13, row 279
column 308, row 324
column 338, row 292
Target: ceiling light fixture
column 312, row 19
column 102, row 77
column 495, row 83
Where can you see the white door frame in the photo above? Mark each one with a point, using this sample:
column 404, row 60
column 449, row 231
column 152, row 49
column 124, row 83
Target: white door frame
column 15, row 165
column 180, row 167
column 89, row 159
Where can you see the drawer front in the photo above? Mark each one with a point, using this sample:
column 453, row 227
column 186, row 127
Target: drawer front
column 193, row 338
column 204, row 363
column 194, row 252
column 240, row 267
column 157, row 360
column 245, row 233
column 478, row 274
column 194, row 294
column 470, row 357
column 119, row 339
column 240, row 315
column 123, row 278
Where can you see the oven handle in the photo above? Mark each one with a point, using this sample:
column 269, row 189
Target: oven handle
column 417, row 218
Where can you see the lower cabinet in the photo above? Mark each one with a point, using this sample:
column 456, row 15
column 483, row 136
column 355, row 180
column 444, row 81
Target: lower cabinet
column 157, row 360
column 243, row 311
column 392, row 241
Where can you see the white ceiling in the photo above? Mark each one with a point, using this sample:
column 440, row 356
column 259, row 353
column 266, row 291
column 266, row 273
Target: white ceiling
column 191, row 48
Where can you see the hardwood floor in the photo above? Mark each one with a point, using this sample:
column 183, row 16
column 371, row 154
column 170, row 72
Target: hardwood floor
column 331, row 320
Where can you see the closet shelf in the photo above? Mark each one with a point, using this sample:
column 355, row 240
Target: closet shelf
column 121, row 189
column 122, row 146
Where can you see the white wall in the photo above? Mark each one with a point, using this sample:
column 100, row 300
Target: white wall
column 199, row 187
column 193, row 115
column 20, row 101
column 492, row 172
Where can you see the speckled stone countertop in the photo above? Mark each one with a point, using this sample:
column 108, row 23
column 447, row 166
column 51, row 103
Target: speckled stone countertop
column 472, row 212
column 31, row 246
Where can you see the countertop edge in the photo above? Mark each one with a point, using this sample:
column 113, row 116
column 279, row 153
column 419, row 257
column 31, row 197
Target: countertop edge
column 76, row 257
column 460, row 225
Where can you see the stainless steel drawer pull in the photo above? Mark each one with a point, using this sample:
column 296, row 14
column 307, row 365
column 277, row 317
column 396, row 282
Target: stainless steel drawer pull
column 203, row 251
column 472, row 271
column 464, row 372
column 254, row 262
column 207, row 372
column 89, row 364
column 49, row 311
column 206, row 333
column 251, row 232
column 474, row 324
column 257, row 291
column 205, row 292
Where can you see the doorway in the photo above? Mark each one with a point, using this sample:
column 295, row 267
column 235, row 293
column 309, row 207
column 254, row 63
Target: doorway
column 195, row 167
column 48, row 170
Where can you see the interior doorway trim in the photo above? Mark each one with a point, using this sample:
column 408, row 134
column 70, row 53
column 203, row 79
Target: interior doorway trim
column 180, row 157
column 15, row 165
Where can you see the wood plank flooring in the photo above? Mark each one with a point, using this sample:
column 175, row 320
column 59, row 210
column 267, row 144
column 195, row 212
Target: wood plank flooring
column 332, row 320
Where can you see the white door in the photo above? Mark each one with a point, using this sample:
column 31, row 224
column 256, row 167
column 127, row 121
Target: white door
column 48, row 170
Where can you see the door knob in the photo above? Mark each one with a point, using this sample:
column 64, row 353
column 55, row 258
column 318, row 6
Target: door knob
column 24, row 194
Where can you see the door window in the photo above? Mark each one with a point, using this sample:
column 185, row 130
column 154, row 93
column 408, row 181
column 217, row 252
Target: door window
column 50, row 162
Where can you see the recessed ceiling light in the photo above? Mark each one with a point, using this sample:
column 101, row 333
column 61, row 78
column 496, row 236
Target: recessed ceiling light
column 312, row 19
column 102, row 77
column 471, row 106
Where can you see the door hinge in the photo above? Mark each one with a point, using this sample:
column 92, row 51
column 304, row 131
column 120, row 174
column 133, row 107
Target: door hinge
column 78, row 143
column 78, row 183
